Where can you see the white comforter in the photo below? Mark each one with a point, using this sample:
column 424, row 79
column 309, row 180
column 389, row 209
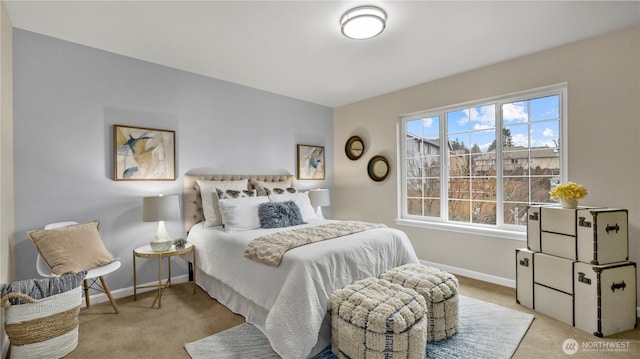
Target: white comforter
column 296, row 293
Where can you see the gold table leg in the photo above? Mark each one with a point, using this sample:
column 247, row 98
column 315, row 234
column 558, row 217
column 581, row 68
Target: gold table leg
column 134, row 277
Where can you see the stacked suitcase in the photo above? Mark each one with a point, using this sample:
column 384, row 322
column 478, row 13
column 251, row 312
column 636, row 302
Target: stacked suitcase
column 575, row 268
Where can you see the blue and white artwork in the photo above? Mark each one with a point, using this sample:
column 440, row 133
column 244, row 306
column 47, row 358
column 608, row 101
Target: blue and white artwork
column 310, row 162
column 143, row 154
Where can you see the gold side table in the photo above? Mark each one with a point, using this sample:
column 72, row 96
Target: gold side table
column 147, row 252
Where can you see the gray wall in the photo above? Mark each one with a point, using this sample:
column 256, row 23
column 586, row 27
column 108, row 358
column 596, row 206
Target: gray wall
column 66, row 99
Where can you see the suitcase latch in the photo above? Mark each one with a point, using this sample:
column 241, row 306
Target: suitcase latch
column 524, row 262
column 583, row 223
column 533, row 216
column 612, row 228
column 583, row 279
column 622, row 285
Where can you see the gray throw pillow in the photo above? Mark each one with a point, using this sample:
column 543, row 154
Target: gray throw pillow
column 279, row 214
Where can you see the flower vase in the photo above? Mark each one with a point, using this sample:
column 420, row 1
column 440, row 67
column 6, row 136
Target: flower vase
column 569, row 203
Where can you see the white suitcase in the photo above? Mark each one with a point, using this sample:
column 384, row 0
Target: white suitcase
column 603, row 236
column 553, row 272
column 558, row 232
column 558, row 220
column 560, row 245
column 524, row 277
column 533, row 228
column 554, row 303
column 605, row 297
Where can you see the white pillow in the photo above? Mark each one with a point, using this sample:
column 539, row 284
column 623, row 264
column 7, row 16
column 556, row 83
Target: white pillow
column 209, row 198
column 241, row 214
column 262, row 186
column 299, row 198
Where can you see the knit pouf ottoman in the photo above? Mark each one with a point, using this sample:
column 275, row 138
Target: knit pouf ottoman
column 440, row 291
column 372, row 318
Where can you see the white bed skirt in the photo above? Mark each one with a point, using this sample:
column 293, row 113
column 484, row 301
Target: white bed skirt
column 252, row 312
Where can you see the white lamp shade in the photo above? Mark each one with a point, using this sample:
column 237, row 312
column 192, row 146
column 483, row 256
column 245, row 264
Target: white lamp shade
column 363, row 22
column 319, row 197
column 160, row 208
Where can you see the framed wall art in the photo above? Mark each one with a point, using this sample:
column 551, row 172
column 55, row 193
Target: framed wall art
column 310, row 162
column 144, row 154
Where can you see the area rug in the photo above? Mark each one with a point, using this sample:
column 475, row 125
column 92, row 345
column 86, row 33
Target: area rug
column 486, row 330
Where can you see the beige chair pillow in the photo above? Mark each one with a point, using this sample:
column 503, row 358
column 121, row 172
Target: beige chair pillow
column 71, row 249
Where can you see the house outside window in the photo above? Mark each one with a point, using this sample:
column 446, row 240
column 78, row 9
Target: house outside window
column 482, row 164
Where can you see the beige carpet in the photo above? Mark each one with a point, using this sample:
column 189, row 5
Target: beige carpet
column 141, row 332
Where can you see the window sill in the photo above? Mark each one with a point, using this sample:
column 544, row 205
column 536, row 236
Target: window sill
column 479, row 231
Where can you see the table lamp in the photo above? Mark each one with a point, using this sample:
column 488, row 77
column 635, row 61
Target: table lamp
column 160, row 209
column 319, row 198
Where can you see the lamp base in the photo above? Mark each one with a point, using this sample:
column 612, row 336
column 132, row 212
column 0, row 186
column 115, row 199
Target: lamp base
column 162, row 242
column 160, row 246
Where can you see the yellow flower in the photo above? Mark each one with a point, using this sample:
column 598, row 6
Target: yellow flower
column 568, row 190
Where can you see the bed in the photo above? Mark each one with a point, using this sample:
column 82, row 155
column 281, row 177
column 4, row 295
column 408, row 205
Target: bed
column 288, row 302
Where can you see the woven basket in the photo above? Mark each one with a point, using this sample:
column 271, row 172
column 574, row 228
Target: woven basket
column 44, row 328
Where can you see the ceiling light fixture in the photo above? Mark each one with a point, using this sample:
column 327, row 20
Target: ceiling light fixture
column 363, row 22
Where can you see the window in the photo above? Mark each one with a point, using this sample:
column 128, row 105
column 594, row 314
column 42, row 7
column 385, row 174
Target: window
column 483, row 163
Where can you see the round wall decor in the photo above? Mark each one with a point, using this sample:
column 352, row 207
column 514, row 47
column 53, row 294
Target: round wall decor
column 354, row 148
column 378, row 168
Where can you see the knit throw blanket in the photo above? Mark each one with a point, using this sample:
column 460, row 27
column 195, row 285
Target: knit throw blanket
column 270, row 248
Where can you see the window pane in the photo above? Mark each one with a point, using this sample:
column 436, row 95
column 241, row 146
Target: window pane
column 540, row 187
column 484, row 189
column 458, row 121
column 432, row 166
column 459, row 165
column 515, row 112
column 458, row 143
column 414, row 187
column 432, row 187
column 545, row 161
column 414, row 128
column 484, row 164
column 515, row 213
column 484, row 212
column 516, row 189
column 459, row 211
column 414, row 167
column 515, row 136
column 459, row 188
column 413, row 147
column 545, row 134
column 483, row 117
column 432, row 207
column 515, row 163
column 431, row 146
column 481, row 141
column 414, row 206
column 545, row 108
column 431, row 127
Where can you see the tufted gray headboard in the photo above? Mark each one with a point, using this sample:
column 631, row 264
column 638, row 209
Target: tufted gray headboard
column 192, row 203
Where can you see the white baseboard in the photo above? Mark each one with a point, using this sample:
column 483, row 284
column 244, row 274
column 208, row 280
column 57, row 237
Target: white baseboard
column 472, row 274
column 125, row 292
